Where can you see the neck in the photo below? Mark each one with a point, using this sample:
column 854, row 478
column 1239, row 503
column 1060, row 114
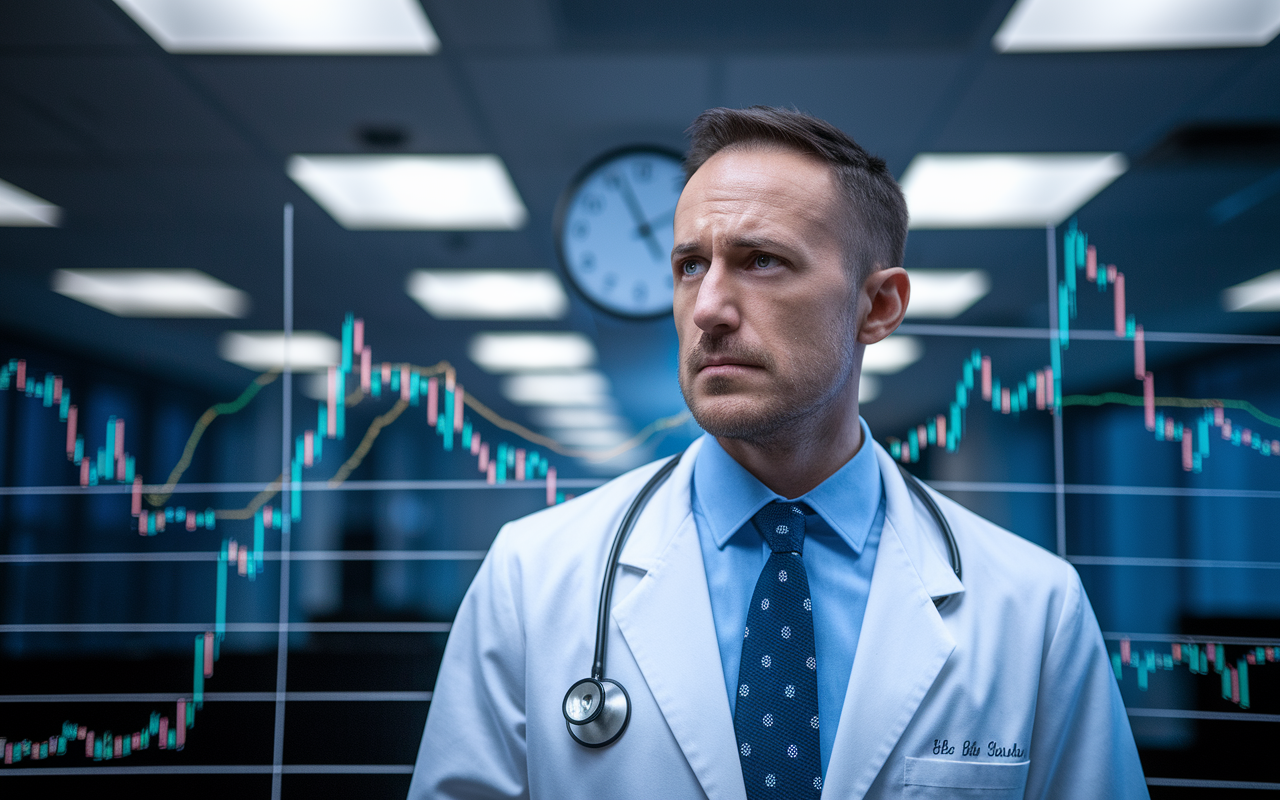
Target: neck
column 793, row 462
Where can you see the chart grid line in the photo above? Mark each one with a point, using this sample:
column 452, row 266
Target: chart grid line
column 1059, row 458
column 218, row 769
column 1186, row 563
column 286, row 516
column 222, row 697
column 231, row 627
column 267, row 555
column 1245, row 641
column 1221, row 716
column 1002, row 332
column 253, row 487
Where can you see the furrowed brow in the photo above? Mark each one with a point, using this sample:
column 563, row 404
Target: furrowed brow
column 757, row 243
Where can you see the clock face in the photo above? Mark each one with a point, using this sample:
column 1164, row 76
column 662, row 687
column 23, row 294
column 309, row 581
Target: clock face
column 614, row 231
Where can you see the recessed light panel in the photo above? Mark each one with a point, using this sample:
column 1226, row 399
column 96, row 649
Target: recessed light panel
column 553, row 417
column 21, row 209
column 1085, row 25
column 891, row 355
column 591, row 438
column 868, row 388
column 945, row 293
column 1260, row 294
column 285, row 26
column 152, row 292
column 309, row 351
column 422, row 192
column 488, row 293
column 531, row 352
column 1004, row 190
column 579, row 388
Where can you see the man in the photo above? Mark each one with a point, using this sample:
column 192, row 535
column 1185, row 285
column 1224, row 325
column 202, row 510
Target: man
column 785, row 620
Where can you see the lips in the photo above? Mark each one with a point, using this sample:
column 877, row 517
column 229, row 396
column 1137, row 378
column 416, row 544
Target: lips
column 725, row 362
column 723, row 356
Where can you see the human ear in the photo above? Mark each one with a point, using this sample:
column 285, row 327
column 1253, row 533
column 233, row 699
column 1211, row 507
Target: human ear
column 882, row 303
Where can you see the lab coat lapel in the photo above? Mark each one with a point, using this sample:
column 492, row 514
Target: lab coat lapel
column 667, row 623
column 903, row 646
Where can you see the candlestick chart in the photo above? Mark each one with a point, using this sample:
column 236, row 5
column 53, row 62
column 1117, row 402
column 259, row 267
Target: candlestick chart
column 357, row 379
column 1190, row 478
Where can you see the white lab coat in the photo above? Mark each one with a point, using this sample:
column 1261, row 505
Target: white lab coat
column 1005, row 691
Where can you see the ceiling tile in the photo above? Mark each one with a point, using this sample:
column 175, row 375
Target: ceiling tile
column 715, row 24
column 536, row 104
column 513, row 26
column 315, row 104
column 123, row 104
column 1078, row 102
column 28, row 131
column 1254, row 94
column 62, row 23
column 882, row 101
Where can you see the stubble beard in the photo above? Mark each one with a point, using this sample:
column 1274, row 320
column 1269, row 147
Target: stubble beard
column 797, row 407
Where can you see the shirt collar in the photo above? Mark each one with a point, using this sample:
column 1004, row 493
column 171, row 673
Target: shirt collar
column 728, row 496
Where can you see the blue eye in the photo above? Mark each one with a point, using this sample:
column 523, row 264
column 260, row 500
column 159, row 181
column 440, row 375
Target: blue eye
column 691, row 267
column 764, row 261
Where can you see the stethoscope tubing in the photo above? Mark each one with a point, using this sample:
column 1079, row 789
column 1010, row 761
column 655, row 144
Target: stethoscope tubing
column 611, row 567
column 615, row 553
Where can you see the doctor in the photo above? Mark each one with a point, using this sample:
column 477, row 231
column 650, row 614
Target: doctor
column 785, row 619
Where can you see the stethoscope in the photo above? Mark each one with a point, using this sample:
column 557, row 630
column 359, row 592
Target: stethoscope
column 597, row 709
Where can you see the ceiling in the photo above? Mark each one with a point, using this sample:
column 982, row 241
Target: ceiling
column 162, row 160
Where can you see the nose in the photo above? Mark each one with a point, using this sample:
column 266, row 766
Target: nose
column 715, row 310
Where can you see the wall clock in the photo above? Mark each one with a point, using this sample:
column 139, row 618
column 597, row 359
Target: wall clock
column 613, row 231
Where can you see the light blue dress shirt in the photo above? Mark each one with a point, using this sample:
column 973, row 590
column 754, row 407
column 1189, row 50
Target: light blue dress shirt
column 841, row 538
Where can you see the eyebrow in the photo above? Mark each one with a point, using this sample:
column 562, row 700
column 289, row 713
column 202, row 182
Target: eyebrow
column 738, row 244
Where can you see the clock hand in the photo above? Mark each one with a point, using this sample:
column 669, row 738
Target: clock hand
column 637, row 214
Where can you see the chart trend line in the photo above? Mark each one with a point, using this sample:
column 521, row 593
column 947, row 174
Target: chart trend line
column 435, row 387
column 1041, row 390
column 366, row 443
column 202, row 424
column 1179, row 402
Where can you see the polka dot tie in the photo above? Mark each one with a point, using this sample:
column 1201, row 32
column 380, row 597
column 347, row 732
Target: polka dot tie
column 776, row 716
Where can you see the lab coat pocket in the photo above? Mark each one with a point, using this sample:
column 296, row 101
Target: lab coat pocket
column 935, row 777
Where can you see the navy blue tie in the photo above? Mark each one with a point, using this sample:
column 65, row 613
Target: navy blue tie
column 776, row 716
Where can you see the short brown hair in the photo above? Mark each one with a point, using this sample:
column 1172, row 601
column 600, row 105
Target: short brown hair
column 876, row 235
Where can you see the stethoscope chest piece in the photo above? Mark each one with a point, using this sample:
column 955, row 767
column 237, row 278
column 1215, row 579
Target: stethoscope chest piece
column 596, row 712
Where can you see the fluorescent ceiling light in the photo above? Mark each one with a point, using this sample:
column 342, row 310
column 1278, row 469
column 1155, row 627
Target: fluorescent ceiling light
column 868, row 388
column 891, row 355
column 488, row 293
column 19, row 209
column 1259, row 294
column 1065, row 25
column 1004, row 190
column 314, row 386
column 423, row 192
column 590, row 437
column 530, row 352
column 309, row 351
column 553, row 417
column 152, row 292
column 285, row 26
column 945, row 293
column 582, row 388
